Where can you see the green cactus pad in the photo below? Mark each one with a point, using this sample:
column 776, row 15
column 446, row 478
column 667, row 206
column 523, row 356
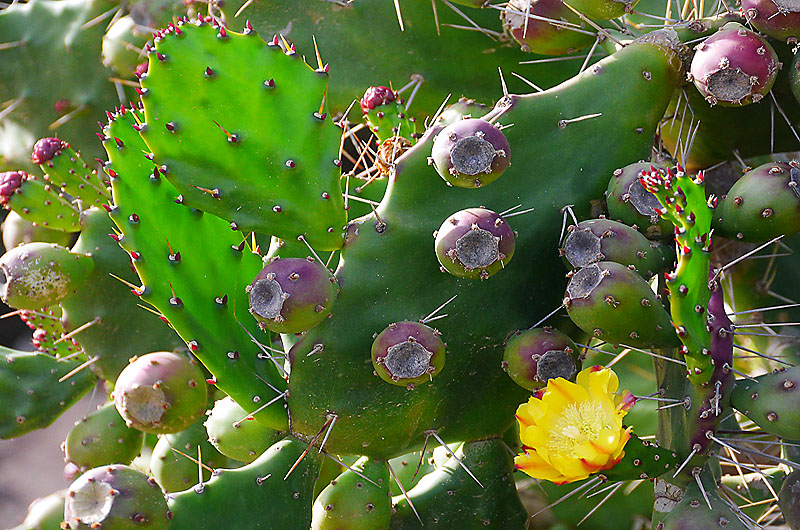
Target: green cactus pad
column 102, row 438
column 258, row 495
column 198, row 289
column 392, row 262
column 642, row 460
column 771, row 402
column 35, row 376
column 64, row 168
column 450, row 498
column 40, row 202
column 243, row 130
column 352, row 503
column 693, row 511
column 118, row 328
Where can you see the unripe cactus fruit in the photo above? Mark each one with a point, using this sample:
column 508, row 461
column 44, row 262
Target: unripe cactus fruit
column 604, row 9
column 115, row 498
column 351, row 503
column 734, row 66
column 631, row 204
column 39, row 274
column 10, row 181
column 780, row 19
column 102, row 438
column 161, row 392
column 763, row 203
column 615, row 304
column 17, row 231
column 376, row 96
column 174, row 471
column 474, row 243
column 789, row 500
column 234, row 438
column 291, row 295
column 540, row 35
column 45, row 513
column 470, row 153
column 408, row 353
column 45, row 149
column 534, row 356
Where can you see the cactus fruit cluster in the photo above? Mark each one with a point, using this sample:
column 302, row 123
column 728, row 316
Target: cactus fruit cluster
column 546, row 277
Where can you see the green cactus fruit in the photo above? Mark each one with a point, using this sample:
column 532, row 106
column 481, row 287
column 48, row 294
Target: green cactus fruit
column 161, row 392
column 474, row 243
column 408, row 353
column 40, row 274
column 350, row 502
column 273, row 121
column 615, row 304
column 45, row 513
column 103, row 302
column 120, row 45
column 234, row 435
column 115, row 498
column 604, row 9
column 794, row 76
column 37, row 201
column 450, row 498
column 65, row 169
column 535, row 355
column 291, row 295
column 17, row 231
column 174, row 471
column 470, row 153
column 279, row 484
column 538, row 35
column 789, row 500
column 160, row 235
column 328, row 471
column 702, row 509
column 102, row 438
column 406, row 470
column 771, row 401
column 385, row 114
column 605, row 240
column 461, row 109
column 762, row 204
column 633, row 205
column 36, row 376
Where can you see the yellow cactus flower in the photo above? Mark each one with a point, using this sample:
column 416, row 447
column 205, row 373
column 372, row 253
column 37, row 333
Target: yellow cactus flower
column 571, row 430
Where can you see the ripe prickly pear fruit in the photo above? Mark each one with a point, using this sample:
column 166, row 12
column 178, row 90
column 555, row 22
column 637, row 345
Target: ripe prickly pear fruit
column 102, row 438
column 789, row 500
column 605, row 240
column 604, row 9
column 291, row 295
column 772, row 401
column 470, row 153
column 474, row 243
column 734, row 66
column 633, row 205
column 39, row 274
column 375, row 96
column 235, row 436
column 17, row 231
column 161, row 392
column 780, row 19
column 115, row 498
column 45, row 513
column 407, row 353
column 615, row 304
column 762, row 204
column 352, row 503
column 534, row 356
column 174, row 471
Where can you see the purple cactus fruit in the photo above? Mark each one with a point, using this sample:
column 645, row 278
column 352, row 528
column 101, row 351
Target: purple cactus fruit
column 115, row 497
column 534, row 356
column 46, row 149
column 376, row 96
column 527, row 23
column 474, row 243
column 470, row 153
column 734, row 66
column 10, row 182
column 407, row 353
column 292, row 295
column 161, row 392
column 780, row 19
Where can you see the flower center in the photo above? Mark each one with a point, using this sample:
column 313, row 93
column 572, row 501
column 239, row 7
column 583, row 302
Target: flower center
column 578, row 424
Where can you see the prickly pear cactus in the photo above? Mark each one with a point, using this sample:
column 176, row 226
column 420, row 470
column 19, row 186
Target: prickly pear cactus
column 561, row 306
